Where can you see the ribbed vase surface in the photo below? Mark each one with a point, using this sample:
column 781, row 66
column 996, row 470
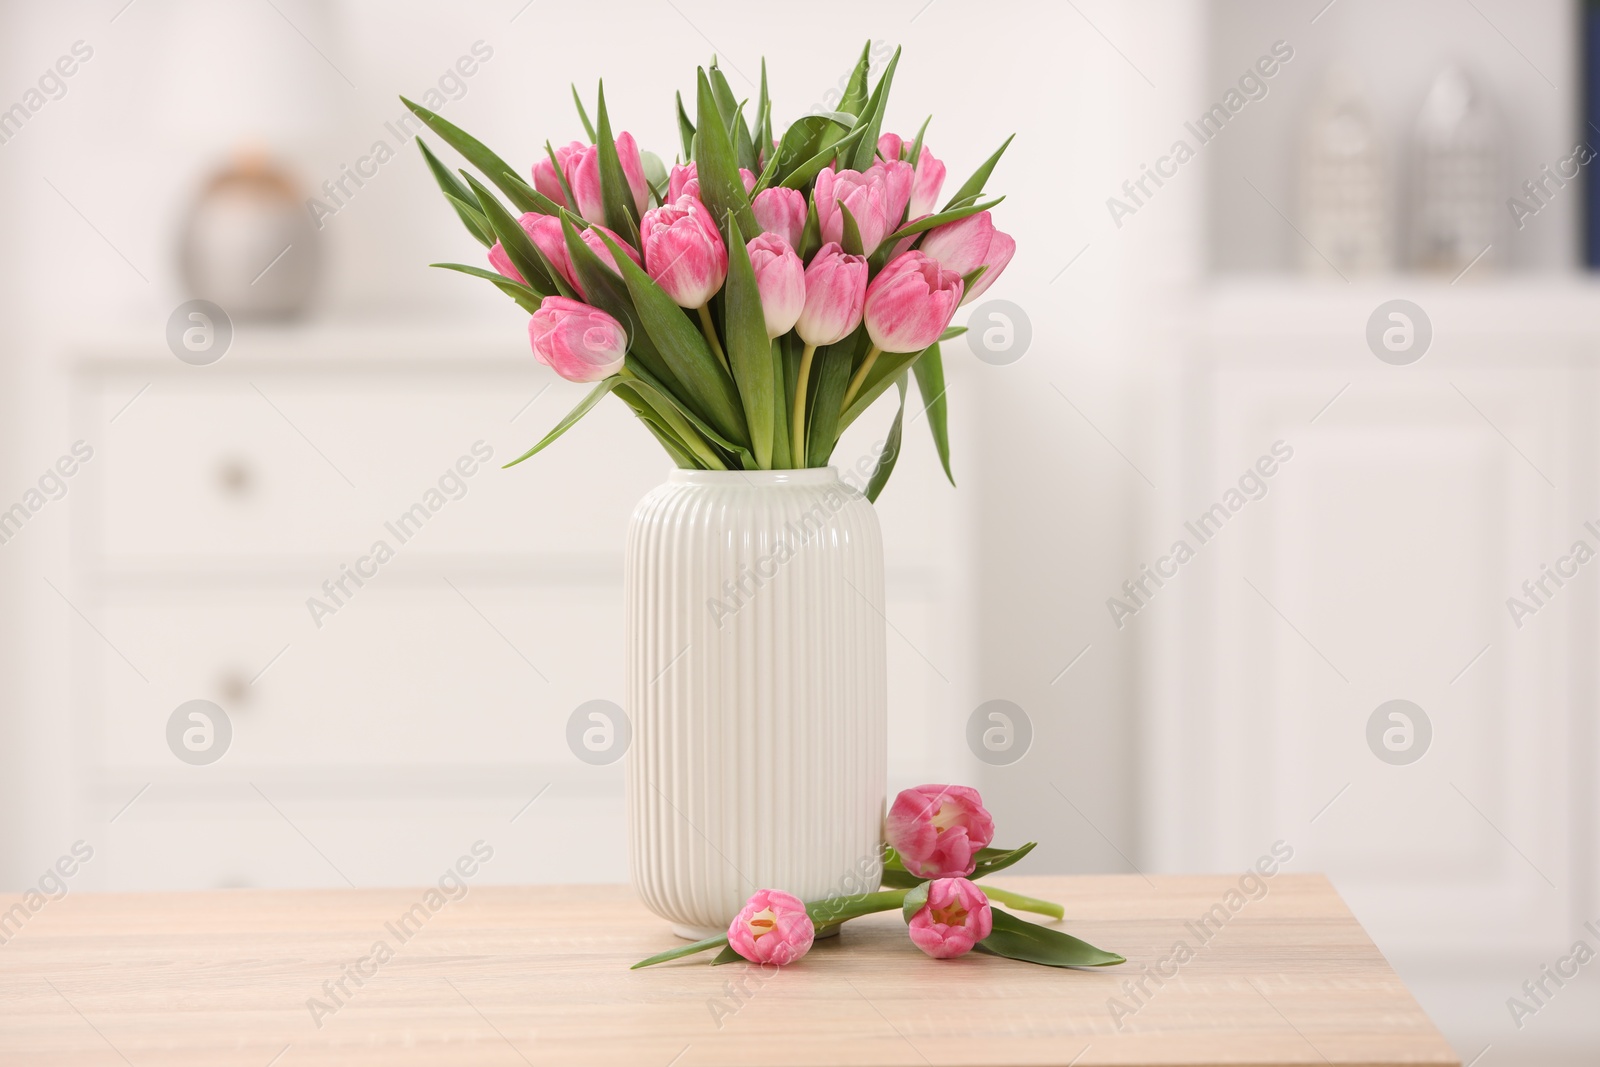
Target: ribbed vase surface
column 757, row 692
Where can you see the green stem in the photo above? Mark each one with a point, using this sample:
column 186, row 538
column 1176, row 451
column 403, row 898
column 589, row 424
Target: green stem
column 1023, row 903
column 709, row 328
column 799, row 445
column 860, row 377
column 682, row 951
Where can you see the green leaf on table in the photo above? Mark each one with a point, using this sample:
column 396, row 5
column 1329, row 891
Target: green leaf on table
column 615, row 194
column 514, row 239
column 727, row 955
column 459, row 195
column 595, row 395
column 916, row 897
column 685, row 131
column 721, row 188
column 891, row 448
column 682, row 950
column 522, row 195
column 1018, row 939
column 993, row 860
column 836, row 910
column 525, row 297
column 583, row 116
column 749, row 348
column 683, row 351
column 867, row 147
column 947, row 215
column 930, row 385
column 974, row 185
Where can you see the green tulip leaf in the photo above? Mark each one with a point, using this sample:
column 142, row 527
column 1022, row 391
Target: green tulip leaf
column 885, row 371
column 685, row 131
column 947, row 215
column 595, row 395
column 855, row 89
column 852, row 232
column 974, row 185
column 682, row 951
column 522, row 195
column 836, row 910
column 749, row 348
column 631, row 395
column 514, row 239
column 916, row 898
column 891, row 449
column 727, row 955
column 1018, row 939
column 721, row 188
column 615, row 193
column 867, row 147
column 459, row 196
column 583, row 116
column 994, row 860
column 822, row 429
column 930, row 385
column 524, row 296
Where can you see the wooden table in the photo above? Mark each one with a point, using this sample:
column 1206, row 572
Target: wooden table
column 539, row 975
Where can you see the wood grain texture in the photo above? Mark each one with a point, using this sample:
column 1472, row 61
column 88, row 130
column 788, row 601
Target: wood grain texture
column 539, row 975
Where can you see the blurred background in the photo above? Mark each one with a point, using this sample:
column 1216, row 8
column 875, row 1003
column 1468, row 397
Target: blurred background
column 1340, row 345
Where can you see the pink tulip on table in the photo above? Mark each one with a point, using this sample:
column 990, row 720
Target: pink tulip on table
column 781, row 280
column 578, row 342
column 967, row 244
column 772, row 927
column 956, row 917
column 876, row 197
column 782, row 211
column 939, row 829
column 929, row 177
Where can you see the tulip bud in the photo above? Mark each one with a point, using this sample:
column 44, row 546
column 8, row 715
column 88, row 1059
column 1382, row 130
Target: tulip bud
column 683, row 251
column 939, row 829
column 544, row 172
column 1001, row 249
column 910, row 303
column 929, row 177
column 877, row 199
column 781, row 280
column 578, row 342
column 684, row 180
column 582, row 171
column 836, row 287
column 782, row 211
column 773, row 927
column 956, row 917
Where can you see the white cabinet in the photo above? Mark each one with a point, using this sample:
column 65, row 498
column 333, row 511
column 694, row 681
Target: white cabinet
column 1377, row 567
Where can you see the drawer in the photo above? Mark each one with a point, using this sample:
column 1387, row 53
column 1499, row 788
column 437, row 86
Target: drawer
column 228, row 472
column 406, row 674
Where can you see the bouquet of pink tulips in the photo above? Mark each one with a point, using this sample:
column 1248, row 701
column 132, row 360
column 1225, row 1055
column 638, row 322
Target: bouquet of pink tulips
column 938, row 847
column 752, row 302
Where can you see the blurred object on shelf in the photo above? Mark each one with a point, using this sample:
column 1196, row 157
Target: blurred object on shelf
column 1345, row 201
column 248, row 244
column 1457, row 174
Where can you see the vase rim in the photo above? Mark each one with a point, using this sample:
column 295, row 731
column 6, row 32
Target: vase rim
column 755, row 479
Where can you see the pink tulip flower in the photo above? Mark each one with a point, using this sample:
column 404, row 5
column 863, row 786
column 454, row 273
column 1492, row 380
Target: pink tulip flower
column 910, row 303
column 684, row 180
column 772, row 927
column 578, row 342
column 967, row 244
column 938, row 829
column 781, row 279
column 546, row 234
column 956, row 917
column 782, row 211
column 876, row 197
column 929, row 178
column 683, row 251
column 580, row 165
column 836, row 289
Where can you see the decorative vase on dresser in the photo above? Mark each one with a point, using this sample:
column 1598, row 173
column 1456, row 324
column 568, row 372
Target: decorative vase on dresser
column 757, row 688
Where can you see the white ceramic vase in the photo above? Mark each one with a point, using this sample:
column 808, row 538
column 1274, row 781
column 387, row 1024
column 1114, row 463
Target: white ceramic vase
column 757, row 691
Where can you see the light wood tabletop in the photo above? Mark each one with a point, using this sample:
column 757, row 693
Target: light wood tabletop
column 539, row 975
